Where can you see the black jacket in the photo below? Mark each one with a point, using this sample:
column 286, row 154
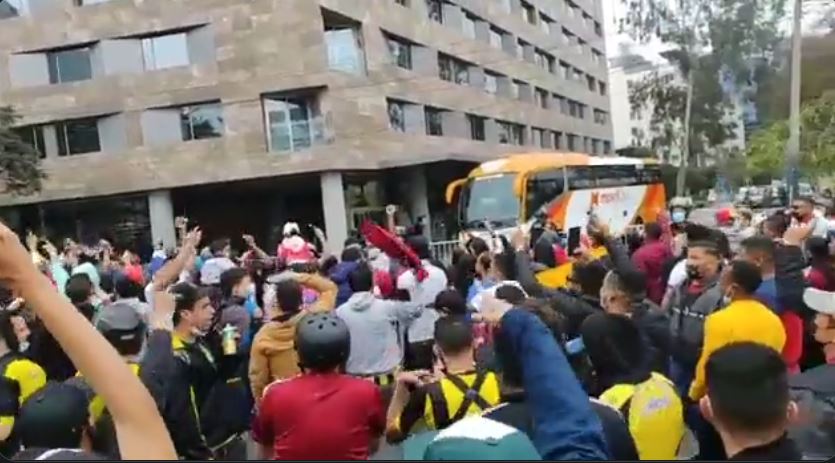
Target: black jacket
column 814, row 393
column 175, row 381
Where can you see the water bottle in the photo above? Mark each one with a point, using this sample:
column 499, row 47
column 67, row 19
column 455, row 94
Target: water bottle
column 230, row 341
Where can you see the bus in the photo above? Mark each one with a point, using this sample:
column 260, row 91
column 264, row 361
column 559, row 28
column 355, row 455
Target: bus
column 560, row 188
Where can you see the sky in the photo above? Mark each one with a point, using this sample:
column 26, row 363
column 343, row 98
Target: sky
column 813, row 12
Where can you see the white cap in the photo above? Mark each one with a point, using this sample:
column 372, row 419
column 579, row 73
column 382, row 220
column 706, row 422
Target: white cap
column 820, row 301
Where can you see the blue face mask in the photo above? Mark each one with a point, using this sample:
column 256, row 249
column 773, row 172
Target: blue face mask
column 679, row 216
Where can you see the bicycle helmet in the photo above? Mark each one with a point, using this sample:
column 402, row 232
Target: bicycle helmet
column 322, row 342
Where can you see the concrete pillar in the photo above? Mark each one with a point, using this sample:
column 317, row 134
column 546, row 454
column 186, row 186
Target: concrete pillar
column 491, row 131
column 418, row 199
column 333, row 206
column 161, row 213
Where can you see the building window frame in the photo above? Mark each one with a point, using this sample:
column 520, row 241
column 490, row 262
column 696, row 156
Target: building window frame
column 67, row 130
column 477, row 125
column 190, row 114
column 291, row 133
column 434, row 121
column 59, row 68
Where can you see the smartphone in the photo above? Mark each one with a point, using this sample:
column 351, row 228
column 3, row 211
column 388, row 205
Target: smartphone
column 575, row 346
column 573, row 240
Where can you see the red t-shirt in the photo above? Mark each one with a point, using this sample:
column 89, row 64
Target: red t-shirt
column 320, row 417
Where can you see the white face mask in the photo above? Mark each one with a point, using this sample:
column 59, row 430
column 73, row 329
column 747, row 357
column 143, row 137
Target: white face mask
column 23, row 346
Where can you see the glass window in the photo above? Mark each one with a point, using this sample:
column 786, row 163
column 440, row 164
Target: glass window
column 565, row 70
column 557, row 140
column 13, row 8
column 401, row 51
column 541, row 97
column 520, row 48
column 541, row 138
column 543, row 188
column 591, row 83
column 453, row 70
column 518, row 134
column 345, row 50
column 476, row 127
column 435, row 10
column 545, row 23
column 514, row 89
column 491, row 83
column 595, row 147
column 33, row 136
column 69, row 65
column 602, row 86
column 572, row 142
column 580, row 177
column 397, row 115
column 528, row 12
column 165, row 51
column 607, row 148
column 434, row 121
column 496, row 37
column 511, row 134
column 469, row 26
column 616, row 175
column 78, row 136
column 490, row 198
column 202, row 121
column 293, row 123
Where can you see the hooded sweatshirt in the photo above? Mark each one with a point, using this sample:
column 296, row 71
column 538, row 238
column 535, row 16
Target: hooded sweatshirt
column 339, row 275
column 295, row 250
column 374, row 326
column 273, row 356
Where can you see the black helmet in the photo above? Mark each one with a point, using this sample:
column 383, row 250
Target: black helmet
column 322, row 341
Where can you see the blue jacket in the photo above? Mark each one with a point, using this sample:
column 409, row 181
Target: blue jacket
column 339, row 275
column 566, row 427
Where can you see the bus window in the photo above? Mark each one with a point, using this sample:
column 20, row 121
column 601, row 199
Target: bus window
column 616, row 175
column 490, row 198
column 543, row 188
column 580, row 177
column 649, row 174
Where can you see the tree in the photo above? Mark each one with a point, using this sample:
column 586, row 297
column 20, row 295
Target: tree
column 766, row 149
column 20, row 169
column 722, row 34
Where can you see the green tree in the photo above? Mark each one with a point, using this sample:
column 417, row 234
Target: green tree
column 708, row 39
column 20, row 169
column 766, row 148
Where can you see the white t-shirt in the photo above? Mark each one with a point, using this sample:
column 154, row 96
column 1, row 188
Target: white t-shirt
column 678, row 274
column 424, row 293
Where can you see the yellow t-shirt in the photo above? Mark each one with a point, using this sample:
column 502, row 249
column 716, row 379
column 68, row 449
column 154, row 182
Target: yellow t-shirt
column 741, row 321
column 29, row 376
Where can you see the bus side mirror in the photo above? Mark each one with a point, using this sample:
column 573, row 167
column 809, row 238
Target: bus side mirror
column 452, row 190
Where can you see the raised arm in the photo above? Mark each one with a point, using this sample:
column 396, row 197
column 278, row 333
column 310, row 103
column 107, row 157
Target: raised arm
column 140, row 431
column 170, row 272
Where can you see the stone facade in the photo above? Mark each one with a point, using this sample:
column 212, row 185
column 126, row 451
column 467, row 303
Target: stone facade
column 267, row 46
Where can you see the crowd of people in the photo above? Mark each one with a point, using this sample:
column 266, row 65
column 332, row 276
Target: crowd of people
column 665, row 344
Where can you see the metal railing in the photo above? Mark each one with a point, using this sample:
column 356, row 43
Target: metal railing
column 442, row 250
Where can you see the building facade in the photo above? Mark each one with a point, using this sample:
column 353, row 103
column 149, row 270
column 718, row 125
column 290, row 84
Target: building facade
column 247, row 109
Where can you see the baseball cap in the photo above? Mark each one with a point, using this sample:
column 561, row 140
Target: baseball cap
column 53, row 417
column 119, row 316
column 473, row 438
column 820, row 301
column 450, row 301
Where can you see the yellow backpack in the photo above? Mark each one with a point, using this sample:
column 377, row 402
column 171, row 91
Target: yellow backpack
column 654, row 413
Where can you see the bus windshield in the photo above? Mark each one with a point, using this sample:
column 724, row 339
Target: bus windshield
column 491, row 199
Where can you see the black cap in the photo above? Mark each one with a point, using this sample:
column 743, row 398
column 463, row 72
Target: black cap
column 450, row 301
column 53, row 417
column 323, row 341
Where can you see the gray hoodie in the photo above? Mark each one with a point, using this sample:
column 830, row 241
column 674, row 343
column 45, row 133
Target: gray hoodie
column 373, row 323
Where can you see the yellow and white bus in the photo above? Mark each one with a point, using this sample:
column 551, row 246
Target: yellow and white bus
column 563, row 188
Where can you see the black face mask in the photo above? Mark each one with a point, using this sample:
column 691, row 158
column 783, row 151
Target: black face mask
column 693, row 273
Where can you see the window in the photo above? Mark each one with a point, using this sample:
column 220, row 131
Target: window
column 344, row 43
column 293, row 122
column 565, row 70
column 595, row 147
column 543, row 188
column 581, row 46
column 89, row 2
column 496, row 38
column 572, row 142
column 491, row 82
column 578, row 75
column 401, row 51
column 514, row 89
column 541, row 98
column 201, row 121
column 397, row 115
column 617, row 175
column 165, row 51
column 476, row 124
column 557, row 140
column 78, row 136
column 600, row 116
column 469, row 25
column 567, row 36
column 510, row 133
column 435, row 10
column 581, row 111
column 520, row 48
column 602, row 87
column 453, row 70
column 597, row 57
column 579, row 177
column 32, row 136
column 541, row 138
column 598, row 29
column 13, row 8
column 561, row 103
column 545, row 23
column 545, row 60
column 607, row 148
column 434, row 121
column 528, row 12
column 592, row 83
column 70, row 65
